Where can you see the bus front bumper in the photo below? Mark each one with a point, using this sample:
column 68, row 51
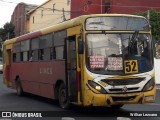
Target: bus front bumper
column 94, row 99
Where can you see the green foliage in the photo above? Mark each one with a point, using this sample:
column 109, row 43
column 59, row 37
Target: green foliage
column 7, row 32
column 155, row 22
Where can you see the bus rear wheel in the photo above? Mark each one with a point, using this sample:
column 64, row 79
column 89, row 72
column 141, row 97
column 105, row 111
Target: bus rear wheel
column 19, row 88
column 62, row 97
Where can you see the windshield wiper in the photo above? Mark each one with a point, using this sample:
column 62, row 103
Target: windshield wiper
column 134, row 37
column 132, row 41
column 97, row 23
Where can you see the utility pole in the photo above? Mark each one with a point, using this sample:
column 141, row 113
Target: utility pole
column 54, row 7
column 148, row 15
column 64, row 18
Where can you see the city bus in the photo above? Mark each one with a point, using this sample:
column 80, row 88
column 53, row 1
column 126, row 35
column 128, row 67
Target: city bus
column 92, row 60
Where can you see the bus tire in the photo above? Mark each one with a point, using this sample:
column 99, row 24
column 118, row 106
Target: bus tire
column 19, row 88
column 116, row 106
column 62, row 97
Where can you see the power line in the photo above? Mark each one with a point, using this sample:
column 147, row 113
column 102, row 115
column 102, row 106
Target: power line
column 82, row 7
column 127, row 6
column 58, row 10
column 63, row 11
column 8, row 2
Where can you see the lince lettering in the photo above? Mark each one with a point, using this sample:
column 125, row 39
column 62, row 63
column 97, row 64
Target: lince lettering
column 46, row 70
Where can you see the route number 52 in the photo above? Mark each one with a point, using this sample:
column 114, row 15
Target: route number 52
column 131, row 66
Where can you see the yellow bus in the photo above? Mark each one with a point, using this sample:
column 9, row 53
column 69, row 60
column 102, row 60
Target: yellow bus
column 92, row 60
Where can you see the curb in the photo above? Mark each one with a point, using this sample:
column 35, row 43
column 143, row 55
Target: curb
column 158, row 86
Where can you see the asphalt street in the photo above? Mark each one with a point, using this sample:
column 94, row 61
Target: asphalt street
column 50, row 110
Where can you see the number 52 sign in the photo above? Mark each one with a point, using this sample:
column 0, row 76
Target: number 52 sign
column 131, row 66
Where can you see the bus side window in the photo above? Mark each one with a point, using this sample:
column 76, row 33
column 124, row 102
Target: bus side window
column 14, row 57
column 47, row 54
column 31, row 56
column 52, row 53
column 45, row 44
column 34, row 55
column 58, row 44
column 35, row 49
column 41, row 54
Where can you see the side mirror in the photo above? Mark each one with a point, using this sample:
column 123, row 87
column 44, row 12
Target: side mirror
column 80, row 46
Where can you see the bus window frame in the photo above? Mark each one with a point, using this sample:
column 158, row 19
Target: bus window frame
column 43, row 48
column 58, row 45
column 34, row 50
column 27, row 50
column 16, row 53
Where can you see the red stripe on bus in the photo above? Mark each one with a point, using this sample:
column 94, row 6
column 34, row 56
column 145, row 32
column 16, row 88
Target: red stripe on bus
column 29, row 36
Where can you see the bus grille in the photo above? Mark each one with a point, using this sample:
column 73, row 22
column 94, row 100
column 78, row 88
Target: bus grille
column 121, row 90
column 125, row 81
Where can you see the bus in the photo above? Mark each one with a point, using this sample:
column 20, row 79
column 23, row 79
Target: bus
column 92, row 60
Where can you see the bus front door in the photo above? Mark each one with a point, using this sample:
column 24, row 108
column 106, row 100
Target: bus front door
column 72, row 84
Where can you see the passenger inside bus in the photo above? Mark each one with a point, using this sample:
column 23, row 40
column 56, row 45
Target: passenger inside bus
column 31, row 57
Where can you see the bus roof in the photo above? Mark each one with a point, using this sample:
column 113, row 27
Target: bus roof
column 61, row 26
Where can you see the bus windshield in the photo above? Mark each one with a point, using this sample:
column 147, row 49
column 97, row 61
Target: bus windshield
column 112, row 53
column 117, row 23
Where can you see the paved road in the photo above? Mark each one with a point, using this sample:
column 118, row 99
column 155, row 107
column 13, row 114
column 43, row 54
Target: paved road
column 9, row 101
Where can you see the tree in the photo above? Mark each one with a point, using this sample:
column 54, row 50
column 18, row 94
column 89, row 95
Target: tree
column 2, row 34
column 155, row 22
column 7, row 32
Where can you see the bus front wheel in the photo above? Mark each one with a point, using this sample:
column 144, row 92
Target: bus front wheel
column 62, row 97
column 19, row 88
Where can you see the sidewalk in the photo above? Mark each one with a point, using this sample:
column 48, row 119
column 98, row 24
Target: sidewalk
column 157, row 71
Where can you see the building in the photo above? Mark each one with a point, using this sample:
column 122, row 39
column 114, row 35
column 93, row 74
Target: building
column 54, row 11
column 19, row 18
column 49, row 13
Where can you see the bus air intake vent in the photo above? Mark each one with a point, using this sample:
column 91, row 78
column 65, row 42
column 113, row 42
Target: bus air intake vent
column 125, row 81
column 130, row 98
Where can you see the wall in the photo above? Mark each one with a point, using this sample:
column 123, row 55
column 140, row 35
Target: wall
column 80, row 7
column 133, row 6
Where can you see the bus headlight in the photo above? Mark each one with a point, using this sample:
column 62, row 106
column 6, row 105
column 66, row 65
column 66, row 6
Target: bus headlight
column 97, row 86
column 149, row 85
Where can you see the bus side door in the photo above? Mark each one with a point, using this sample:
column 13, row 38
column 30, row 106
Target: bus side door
column 72, row 83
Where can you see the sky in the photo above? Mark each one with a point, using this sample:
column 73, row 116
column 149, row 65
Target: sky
column 7, row 8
